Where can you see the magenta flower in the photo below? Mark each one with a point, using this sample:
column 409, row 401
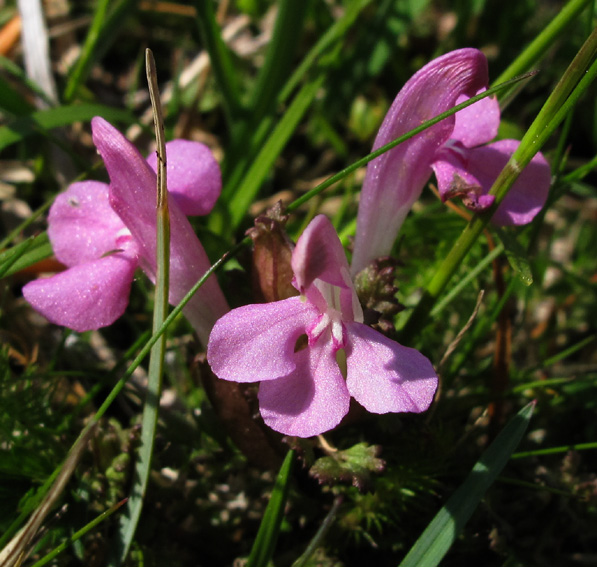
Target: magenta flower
column 103, row 233
column 305, row 392
column 452, row 148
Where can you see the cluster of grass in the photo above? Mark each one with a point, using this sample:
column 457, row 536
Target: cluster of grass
column 287, row 94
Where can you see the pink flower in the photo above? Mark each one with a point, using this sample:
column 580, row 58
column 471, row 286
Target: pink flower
column 305, row 392
column 103, row 233
column 452, row 148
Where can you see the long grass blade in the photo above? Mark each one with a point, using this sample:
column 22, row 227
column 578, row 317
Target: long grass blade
column 88, row 52
column 45, row 120
column 130, row 519
column 267, row 536
column 443, row 530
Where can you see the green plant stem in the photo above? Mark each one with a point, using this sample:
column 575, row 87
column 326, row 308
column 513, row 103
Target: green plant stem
column 267, row 536
column 555, row 450
column 317, row 540
column 85, row 60
column 221, row 61
column 249, row 133
column 130, row 520
column 79, row 534
column 539, row 46
column 365, row 160
column 278, row 60
column 571, row 86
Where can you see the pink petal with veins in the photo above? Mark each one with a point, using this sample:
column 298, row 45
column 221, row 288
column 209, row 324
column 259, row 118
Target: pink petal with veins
column 384, row 376
column 477, row 124
column 395, row 179
column 81, row 225
column 194, row 178
column 87, row 296
column 133, row 197
column 256, row 342
column 311, row 400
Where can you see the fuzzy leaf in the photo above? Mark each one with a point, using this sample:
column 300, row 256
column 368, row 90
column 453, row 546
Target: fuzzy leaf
column 354, row 465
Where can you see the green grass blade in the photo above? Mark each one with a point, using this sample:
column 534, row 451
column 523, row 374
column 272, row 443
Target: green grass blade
column 265, row 542
column 541, row 44
column 79, row 534
column 45, row 120
column 130, row 519
column 334, row 33
column 221, row 60
column 25, row 254
column 239, row 159
column 466, row 280
column 576, row 79
column 278, row 61
column 247, row 191
column 87, row 57
column 443, row 530
column 556, row 450
column 12, row 101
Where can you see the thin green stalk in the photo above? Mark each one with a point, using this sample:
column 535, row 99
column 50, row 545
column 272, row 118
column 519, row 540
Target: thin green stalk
column 317, row 540
column 248, row 189
column 267, row 536
column 81, row 68
column 555, row 450
column 79, row 534
column 278, row 59
column 221, row 61
column 130, row 519
column 539, row 46
column 571, row 86
column 470, row 276
column 365, row 160
column 235, row 167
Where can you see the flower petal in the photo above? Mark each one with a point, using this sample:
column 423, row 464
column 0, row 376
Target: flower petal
column 194, row 178
column 81, row 225
column 528, row 194
column 477, row 124
column 321, row 271
column 395, row 179
column 384, row 376
column 87, row 296
column 311, row 400
column 256, row 342
column 133, row 197
column 455, row 180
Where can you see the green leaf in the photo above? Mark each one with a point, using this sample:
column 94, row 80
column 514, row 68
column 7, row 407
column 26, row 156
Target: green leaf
column 88, row 52
column 517, row 256
column 45, row 120
column 443, row 530
column 12, row 101
column 354, row 465
column 246, row 192
column 265, row 542
column 25, row 254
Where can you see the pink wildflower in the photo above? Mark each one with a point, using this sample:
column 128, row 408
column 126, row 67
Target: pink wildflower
column 103, row 233
column 304, row 392
column 452, row 148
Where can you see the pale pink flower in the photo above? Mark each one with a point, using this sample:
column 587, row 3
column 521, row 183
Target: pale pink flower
column 453, row 148
column 304, row 392
column 104, row 232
